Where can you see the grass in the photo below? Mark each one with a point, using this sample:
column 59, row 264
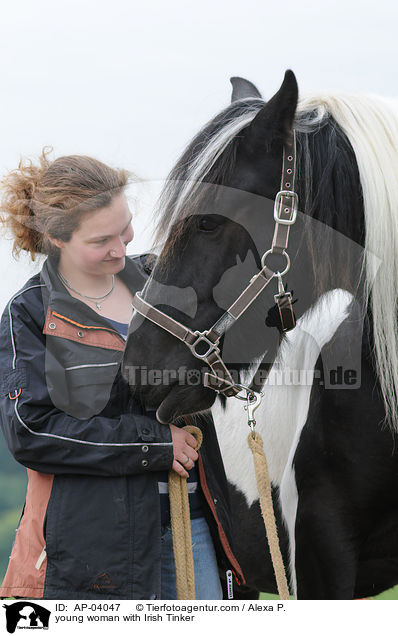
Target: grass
column 388, row 595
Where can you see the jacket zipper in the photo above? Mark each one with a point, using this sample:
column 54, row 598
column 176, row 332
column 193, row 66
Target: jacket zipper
column 41, row 559
column 230, row 587
column 43, row 553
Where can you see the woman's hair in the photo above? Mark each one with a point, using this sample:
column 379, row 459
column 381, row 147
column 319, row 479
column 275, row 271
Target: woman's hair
column 50, row 199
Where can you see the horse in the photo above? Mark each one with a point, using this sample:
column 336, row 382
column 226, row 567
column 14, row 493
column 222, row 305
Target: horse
column 296, row 198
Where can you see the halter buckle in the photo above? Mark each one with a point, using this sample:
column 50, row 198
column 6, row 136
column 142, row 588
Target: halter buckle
column 202, row 337
column 277, row 207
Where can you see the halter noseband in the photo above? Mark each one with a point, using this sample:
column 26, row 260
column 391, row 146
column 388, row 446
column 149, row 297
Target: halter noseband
column 204, row 344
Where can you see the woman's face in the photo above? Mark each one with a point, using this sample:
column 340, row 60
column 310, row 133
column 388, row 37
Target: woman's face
column 98, row 246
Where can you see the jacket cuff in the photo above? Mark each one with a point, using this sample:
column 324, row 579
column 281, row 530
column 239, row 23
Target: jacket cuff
column 150, row 430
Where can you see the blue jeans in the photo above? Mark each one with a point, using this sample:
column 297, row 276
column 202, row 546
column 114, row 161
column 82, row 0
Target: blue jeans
column 207, row 582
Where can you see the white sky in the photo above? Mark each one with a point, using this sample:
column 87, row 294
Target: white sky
column 131, row 82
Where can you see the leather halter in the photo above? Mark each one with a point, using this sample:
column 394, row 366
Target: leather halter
column 204, row 344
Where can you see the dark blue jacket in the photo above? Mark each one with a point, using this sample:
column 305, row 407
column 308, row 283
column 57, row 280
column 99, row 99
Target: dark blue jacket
column 91, row 521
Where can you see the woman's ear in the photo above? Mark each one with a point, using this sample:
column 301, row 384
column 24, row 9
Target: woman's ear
column 57, row 242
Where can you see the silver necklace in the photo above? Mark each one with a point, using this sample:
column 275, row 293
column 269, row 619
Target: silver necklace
column 93, row 298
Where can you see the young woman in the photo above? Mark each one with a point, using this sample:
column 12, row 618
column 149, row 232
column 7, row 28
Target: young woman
column 96, row 519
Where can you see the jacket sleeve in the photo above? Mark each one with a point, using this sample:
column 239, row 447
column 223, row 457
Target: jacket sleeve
column 48, row 440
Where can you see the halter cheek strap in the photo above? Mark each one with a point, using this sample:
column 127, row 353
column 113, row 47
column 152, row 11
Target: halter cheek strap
column 204, row 344
column 286, row 201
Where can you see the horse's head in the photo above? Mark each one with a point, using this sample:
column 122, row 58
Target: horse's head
column 217, row 216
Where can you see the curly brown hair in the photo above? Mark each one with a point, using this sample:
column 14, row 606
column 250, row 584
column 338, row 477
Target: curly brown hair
column 49, row 199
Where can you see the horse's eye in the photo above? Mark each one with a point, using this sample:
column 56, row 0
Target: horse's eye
column 207, row 224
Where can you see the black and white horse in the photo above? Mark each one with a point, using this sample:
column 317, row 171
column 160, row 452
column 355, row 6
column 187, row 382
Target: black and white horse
column 329, row 412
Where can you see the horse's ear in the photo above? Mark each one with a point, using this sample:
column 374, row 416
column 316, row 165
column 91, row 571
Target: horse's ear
column 275, row 119
column 242, row 88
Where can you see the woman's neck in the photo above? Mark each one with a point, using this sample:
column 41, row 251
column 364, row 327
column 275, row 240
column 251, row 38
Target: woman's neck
column 90, row 284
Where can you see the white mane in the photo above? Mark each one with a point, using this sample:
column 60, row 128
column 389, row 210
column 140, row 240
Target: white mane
column 371, row 125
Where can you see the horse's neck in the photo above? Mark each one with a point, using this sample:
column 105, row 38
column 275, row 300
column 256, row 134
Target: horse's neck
column 284, row 407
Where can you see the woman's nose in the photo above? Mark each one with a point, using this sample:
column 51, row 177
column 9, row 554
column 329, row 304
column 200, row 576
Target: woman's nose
column 118, row 250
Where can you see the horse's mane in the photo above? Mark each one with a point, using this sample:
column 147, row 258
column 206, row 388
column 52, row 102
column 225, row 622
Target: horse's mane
column 209, row 157
column 370, row 124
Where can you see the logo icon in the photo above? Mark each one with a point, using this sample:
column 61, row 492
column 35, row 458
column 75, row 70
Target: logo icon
column 103, row 582
column 26, row 615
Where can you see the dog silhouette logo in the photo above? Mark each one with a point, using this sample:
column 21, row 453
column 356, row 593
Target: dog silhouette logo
column 26, row 615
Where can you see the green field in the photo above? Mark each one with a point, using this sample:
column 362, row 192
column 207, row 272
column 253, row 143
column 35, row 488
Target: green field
column 388, row 595
column 13, row 482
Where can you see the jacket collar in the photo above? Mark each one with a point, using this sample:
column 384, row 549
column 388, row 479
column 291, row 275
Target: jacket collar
column 58, row 297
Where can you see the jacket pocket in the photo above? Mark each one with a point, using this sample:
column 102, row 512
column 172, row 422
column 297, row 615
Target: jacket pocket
column 88, row 535
column 89, row 387
column 92, row 372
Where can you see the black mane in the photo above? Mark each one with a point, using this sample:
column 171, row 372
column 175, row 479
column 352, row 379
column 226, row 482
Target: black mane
column 218, row 174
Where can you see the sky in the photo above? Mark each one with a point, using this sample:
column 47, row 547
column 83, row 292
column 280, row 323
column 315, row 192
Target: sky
column 131, row 82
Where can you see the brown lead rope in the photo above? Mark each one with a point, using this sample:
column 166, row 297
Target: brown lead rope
column 181, row 527
column 267, row 510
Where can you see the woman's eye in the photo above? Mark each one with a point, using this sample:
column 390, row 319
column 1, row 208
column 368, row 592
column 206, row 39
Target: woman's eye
column 207, row 224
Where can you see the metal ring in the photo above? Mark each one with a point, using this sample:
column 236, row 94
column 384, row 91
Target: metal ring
column 16, row 394
column 242, row 387
column 264, row 256
column 201, row 336
column 186, row 461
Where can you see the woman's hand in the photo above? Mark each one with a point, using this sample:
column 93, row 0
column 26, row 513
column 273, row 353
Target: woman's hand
column 184, row 451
